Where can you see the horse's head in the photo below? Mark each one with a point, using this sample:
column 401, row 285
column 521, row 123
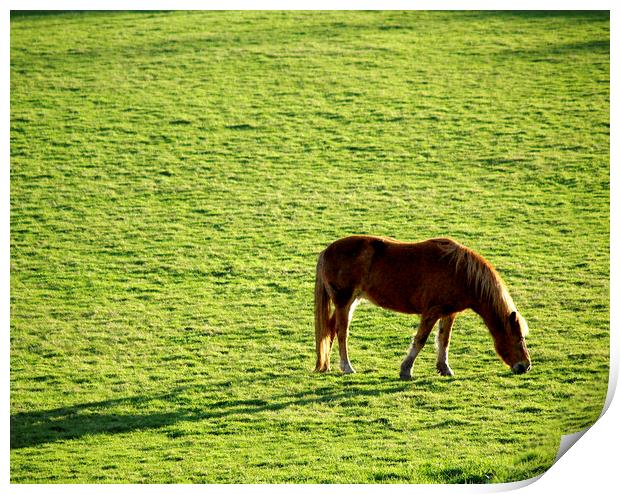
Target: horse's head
column 511, row 344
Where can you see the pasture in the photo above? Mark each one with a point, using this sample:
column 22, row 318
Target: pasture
column 174, row 176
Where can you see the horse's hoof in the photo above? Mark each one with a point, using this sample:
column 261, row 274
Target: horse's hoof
column 348, row 370
column 405, row 371
column 444, row 370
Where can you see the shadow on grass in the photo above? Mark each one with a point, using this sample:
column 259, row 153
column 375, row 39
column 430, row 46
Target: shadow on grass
column 533, row 15
column 560, row 50
column 40, row 13
column 15, row 14
column 41, row 427
column 47, row 426
column 66, row 423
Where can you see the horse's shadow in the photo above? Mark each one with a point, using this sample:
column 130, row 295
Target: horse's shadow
column 103, row 417
column 46, row 426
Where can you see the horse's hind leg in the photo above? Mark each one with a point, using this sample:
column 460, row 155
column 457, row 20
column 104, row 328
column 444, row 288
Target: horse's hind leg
column 332, row 331
column 426, row 326
column 443, row 341
column 343, row 315
column 331, row 335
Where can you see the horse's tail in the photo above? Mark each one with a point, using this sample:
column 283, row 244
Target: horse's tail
column 321, row 321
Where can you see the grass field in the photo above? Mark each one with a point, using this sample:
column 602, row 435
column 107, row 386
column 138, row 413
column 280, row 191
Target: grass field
column 174, row 176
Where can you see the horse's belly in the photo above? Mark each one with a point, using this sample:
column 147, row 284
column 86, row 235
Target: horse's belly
column 393, row 301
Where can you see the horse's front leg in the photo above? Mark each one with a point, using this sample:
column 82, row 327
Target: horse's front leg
column 426, row 326
column 443, row 341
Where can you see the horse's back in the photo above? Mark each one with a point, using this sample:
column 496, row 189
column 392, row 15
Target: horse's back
column 366, row 250
column 402, row 276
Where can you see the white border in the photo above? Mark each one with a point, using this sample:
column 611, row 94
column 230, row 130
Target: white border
column 309, row 5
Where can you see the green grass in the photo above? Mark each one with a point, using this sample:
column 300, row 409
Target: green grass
column 174, row 176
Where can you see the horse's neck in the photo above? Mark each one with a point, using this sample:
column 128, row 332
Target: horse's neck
column 491, row 317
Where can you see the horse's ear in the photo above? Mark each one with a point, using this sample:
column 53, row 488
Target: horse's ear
column 513, row 317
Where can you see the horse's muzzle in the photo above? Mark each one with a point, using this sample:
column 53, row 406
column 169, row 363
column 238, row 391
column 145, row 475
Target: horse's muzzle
column 521, row 367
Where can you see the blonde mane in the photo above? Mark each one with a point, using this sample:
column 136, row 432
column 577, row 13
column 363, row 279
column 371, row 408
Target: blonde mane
column 481, row 277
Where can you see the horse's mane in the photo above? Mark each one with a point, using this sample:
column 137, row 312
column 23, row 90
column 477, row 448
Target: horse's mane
column 480, row 275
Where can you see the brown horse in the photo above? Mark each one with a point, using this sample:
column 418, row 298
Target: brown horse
column 437, row 279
